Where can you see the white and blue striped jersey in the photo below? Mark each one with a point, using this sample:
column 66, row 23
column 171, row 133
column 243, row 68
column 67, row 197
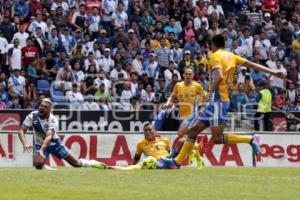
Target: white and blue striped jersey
column 41, row 126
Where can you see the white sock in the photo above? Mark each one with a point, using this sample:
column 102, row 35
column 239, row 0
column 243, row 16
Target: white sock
column 85, row 163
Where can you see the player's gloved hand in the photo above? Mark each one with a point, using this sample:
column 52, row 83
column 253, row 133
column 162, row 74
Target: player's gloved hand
column 27, row 147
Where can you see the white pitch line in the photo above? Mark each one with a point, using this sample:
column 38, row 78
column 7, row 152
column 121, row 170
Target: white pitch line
column 260, row 177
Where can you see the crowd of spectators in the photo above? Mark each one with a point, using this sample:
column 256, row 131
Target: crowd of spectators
column 128, row 54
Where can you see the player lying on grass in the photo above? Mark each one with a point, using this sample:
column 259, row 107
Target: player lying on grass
column 46, row 141
column 222, row 66
column 155, row 147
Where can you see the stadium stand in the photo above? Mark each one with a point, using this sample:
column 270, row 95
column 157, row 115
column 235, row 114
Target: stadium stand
column 120, row 52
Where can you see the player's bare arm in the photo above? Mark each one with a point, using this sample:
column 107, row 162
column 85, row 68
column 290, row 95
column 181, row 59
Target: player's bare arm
column 136, row 158
column 46, row 142
column 170, row 102
column 259, row 67
column 26, row 147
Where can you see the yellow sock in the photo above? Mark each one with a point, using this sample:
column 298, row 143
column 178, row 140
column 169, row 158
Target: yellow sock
column 198, row 156
column 234, row 139
column 187, row 147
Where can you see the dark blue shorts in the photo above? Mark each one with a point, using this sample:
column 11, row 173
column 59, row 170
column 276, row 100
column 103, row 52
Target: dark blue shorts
column 215, row 114
column 58, row 149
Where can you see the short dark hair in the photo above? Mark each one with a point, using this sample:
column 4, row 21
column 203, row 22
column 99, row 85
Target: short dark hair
column 147, row 124
column 218, row 41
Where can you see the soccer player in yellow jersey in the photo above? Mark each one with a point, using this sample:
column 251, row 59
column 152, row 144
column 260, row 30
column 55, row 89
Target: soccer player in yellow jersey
column 222, row 65
column 152, row 145
column 184, row 95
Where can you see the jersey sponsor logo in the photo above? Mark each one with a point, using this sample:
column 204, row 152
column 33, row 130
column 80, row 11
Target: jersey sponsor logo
column 10, row 121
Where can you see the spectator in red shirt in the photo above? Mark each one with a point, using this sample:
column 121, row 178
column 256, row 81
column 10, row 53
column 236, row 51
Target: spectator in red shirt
column 271, row 6
column 280, row 99
column 90, row 4
column 34, row 6
column 29, row 53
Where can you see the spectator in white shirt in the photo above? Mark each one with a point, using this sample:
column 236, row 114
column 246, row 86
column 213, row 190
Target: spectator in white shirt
column 16, row 84
column 292, row 93
column 14, row 54
column 119, row 17
column 275, row 81
column 168, row 73
column 176, row 53
column 137, row 65
column 148, row 94
column 60, row 3
column 75, row 98
column 106, row 63
column 116, row 71
column 78, row 73
column 22, row 36
column 90, row 104
column 199, row 20
column 126, row 95
column 271, row 63
column 96, row 52
column 214, row 6
column 91, row 61
column 237, row 50
column 38, row 22
column 103, row 80
column 262, row 46
column 64, row 77
column 93, row 21
column 3, row 45
column 246, row 42
column 151, row 66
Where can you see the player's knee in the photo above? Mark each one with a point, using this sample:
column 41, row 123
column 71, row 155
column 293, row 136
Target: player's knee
column 76, row 163
column 217, row 139
column 193, row 132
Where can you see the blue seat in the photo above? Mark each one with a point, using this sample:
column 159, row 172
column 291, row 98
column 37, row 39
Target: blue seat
column 58, row 96
column 43, row 85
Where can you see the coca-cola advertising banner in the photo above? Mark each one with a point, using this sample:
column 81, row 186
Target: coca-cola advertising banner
column 278, row 150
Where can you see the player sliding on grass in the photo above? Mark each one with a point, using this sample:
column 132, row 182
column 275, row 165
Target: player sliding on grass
column 221, row 69
column 46, row 141
column 154, row 146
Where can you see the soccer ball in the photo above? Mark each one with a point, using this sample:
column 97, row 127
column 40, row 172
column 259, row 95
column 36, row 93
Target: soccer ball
column 149, row 163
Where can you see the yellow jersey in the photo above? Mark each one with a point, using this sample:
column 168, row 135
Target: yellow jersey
column 296, row 45
column 186, row 96
column 227, row 61
column 158, row 148
column 154, row 44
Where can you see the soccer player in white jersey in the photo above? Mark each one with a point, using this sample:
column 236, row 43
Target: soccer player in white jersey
column 46, row 141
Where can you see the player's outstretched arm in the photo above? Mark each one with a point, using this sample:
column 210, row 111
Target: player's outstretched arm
column 46, row 142
column 21, row 135
column 259, row 67
column 169, row 103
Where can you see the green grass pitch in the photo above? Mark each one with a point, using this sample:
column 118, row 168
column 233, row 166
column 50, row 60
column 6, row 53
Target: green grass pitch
column 190, row 184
